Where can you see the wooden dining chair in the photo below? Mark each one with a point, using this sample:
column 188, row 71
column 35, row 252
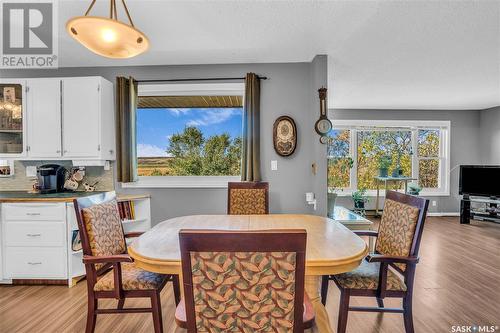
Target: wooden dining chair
column 110, row 271
column 390, row 270
column 244, row 281
column 246, row 198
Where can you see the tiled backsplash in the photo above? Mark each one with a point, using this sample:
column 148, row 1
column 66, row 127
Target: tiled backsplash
column 19, row 181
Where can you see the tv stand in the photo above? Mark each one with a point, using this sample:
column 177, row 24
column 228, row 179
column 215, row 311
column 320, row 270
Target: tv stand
column 489, row 212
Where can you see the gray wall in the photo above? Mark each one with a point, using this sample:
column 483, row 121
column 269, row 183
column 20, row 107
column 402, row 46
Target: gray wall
column 291, row 90
column 489, row 122
column 464, row 141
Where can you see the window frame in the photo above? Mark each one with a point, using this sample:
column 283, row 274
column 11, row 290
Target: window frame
column 188, row 89
column 413, row 125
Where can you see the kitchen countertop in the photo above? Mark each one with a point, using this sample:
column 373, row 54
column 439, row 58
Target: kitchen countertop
column 24, row 196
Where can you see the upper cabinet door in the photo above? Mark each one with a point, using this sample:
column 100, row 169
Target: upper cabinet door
column 81, row 117
column 44, row 118
column 12, row 118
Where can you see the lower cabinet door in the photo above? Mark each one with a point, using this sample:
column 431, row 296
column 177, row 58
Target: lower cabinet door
column 35, row 263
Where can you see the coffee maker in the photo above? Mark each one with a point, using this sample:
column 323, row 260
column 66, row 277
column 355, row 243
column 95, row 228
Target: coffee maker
column 51, row 178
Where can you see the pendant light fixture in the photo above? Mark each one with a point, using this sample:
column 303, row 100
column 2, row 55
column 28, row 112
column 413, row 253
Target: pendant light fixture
column 108, row 37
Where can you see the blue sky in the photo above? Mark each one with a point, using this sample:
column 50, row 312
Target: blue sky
column 156, row 126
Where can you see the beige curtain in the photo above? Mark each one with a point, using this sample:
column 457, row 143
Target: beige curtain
column 126, row 105
column 250, row 160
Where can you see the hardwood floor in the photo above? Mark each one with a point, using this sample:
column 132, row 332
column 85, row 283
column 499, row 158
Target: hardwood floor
column 457, row 283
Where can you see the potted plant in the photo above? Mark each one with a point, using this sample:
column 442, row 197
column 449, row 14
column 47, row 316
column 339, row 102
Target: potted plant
column 359, row 197
column 414, row 189
column 383, row 165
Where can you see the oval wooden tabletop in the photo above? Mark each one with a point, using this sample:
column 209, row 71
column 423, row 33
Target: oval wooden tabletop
column 331, row 247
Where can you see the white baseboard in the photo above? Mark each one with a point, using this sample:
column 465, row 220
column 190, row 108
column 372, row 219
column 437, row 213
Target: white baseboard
column 443, row 214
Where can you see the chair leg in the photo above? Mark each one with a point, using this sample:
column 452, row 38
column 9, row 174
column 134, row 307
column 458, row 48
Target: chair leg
column 121, row 303
column 157, row 316
column 343, row 311
column 177, row 289
column 91, row 314
column 324, row 288
column 408, row 314
column 380, row 302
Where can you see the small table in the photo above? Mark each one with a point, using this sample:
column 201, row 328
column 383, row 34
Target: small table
column 352, row 221
column 387, row 180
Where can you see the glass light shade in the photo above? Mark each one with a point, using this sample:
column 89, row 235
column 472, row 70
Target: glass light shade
column 107, row 37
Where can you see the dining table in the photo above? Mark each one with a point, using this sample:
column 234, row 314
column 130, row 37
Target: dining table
column 331, row 247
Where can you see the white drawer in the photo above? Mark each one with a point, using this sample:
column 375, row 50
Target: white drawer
column 32, row 262
column 34, row 233
column 34, row 211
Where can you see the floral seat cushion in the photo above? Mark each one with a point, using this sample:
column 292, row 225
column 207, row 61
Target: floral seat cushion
column 247, row 201
column 244, row 291
column 366, row 276
column 397, row 229
column 133, row 278
column 104, row 230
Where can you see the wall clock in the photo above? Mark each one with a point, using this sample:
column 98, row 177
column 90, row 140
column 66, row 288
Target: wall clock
column 284, row 136
column 323, row 125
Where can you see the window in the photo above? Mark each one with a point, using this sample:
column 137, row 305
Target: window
column 418, row 149
column 189, row 135
column 339, row 160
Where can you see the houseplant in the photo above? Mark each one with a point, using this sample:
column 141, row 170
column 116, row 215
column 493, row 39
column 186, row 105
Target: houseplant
column 414, row 189
column 359, row 197
column 383, row 165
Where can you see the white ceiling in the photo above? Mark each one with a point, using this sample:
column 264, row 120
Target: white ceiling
column 382, row 54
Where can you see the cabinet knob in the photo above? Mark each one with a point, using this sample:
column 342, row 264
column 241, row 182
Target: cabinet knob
column 65, row 151
column 58, row 151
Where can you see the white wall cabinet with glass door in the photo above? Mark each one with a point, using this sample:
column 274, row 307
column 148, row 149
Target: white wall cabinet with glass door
column 67, row 118
column 12, row 118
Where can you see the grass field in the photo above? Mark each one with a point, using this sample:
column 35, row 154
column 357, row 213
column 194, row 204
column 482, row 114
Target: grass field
column 154, row 166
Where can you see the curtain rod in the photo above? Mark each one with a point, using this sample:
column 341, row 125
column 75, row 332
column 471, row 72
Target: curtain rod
column 200, row 79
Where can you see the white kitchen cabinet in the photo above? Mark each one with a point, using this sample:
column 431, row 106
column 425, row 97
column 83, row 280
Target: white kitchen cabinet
column 36, row 239
column 44, row 118
column 81, row 134
column 88, row 118
column 62, row 119
column 12, row 118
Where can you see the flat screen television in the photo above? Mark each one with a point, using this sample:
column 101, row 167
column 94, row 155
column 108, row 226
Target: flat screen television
column 480, row 180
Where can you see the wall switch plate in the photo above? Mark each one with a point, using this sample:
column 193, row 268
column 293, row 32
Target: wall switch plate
column 434, row 203
column 274, row 165
column 31, row 171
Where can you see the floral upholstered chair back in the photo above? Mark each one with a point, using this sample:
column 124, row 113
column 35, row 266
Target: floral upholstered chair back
column 247, row 291
column 247, row 198
column 104, row 229
column 397, row 229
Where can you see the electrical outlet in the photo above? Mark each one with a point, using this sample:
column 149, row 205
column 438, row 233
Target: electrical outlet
column 274, row 165
column 31, row 171
column 434, row 203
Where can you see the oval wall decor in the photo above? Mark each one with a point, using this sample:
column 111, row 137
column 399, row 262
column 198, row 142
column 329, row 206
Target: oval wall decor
column 284, row 136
